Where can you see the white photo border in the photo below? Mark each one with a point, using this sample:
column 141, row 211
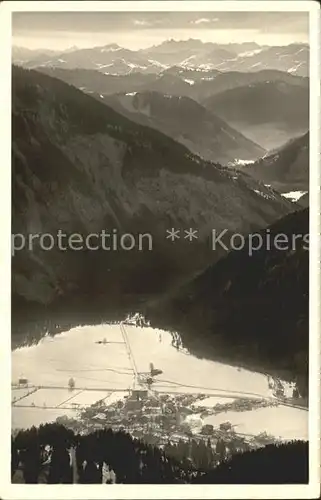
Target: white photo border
column 119, row 491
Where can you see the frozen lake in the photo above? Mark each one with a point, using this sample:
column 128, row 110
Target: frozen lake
column 106, row 371
column 281, row 422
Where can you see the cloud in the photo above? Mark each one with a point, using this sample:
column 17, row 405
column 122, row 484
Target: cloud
column 201, row 21
column 141, row 22
column 204, row 20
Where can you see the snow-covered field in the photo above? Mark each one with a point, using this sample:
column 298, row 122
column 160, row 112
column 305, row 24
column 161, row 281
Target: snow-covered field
column 104, row 367
column 294, row 195
column 241, row 163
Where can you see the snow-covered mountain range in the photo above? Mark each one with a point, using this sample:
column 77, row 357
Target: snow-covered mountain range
column 190, row 54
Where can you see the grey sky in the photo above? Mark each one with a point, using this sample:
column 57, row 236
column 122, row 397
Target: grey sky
column 141, row 29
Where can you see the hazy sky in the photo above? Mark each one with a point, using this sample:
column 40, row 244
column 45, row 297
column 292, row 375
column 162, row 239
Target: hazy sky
column 61, row 30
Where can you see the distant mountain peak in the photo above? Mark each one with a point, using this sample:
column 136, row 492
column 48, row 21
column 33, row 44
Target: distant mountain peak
column 71, row 49
column 111, row 46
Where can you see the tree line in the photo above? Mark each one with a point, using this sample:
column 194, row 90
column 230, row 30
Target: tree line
column 54, row 454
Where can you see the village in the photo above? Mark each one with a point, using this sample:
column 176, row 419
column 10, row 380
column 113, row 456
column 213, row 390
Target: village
column 174, row 422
